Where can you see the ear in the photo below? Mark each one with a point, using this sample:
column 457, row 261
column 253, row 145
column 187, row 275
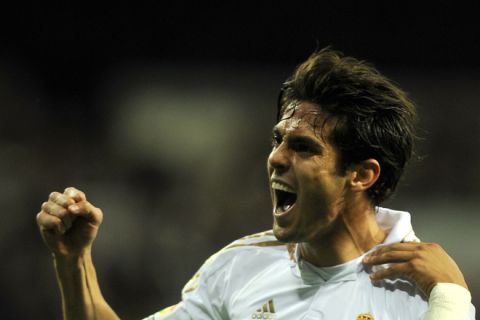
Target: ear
column 364, row 174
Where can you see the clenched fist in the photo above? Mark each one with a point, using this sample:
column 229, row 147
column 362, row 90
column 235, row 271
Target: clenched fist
column 68, row 223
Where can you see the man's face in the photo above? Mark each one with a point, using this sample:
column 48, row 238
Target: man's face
column 307, row 188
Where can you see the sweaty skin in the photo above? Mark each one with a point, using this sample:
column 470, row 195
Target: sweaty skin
column 332, row 218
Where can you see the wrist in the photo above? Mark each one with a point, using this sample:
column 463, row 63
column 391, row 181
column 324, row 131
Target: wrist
column 72, row 263
column 448, row 301
column 72, row 257
column 77, row 280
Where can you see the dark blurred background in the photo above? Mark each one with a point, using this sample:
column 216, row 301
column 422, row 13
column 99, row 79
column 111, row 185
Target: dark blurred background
column 162, row 111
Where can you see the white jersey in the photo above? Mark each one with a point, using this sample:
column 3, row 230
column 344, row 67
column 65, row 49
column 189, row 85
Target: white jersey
column 258, row 277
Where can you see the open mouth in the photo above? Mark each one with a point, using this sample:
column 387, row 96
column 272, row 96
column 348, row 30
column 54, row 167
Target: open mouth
column 284, row 196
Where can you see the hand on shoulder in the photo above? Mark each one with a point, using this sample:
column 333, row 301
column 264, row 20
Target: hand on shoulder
column 425, row 263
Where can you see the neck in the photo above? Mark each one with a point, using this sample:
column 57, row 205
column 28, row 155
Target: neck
column 354, row 233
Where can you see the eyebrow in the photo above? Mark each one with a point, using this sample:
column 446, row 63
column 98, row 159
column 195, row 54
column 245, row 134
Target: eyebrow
column 298, row 138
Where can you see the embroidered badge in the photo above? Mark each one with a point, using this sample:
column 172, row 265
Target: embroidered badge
column 365, row 316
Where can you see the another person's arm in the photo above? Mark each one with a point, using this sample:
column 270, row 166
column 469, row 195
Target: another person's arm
column 433, row 270
column 69, row 224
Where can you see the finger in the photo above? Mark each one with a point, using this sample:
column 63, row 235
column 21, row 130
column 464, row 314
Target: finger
column 399, row 246
column 74, row 193
column 86, row 210
column 61, row 199
column 60, row 212
column 390, row 257
column 394, row 271
column 54, row 209
column 47, row 222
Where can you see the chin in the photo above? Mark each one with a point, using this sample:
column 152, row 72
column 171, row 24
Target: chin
column 285, row 235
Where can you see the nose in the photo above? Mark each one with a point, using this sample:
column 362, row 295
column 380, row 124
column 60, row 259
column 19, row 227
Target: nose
column 278, row 160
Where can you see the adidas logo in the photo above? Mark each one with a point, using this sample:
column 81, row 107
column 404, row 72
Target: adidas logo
column 267, row 311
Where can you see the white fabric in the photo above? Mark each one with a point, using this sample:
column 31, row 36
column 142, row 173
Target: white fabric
column 448, row 301
column 258, row 277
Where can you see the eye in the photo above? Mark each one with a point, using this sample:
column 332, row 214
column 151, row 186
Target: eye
column 301, row 147
column 276, row 140
column 304, row 146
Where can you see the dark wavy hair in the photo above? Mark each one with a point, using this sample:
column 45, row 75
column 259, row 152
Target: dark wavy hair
column 374, row 118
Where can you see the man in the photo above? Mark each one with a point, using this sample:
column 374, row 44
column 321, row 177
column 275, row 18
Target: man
column 343, row 136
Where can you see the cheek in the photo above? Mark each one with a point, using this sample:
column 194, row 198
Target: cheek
column 321, row 189
column 315, row 180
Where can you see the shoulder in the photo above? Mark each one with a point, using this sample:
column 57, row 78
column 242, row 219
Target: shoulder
column 243, row 250
column 264, row 242
column 264, row 239
column 241, row 257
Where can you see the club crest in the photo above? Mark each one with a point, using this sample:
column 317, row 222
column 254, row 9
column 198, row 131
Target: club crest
column 365, row 316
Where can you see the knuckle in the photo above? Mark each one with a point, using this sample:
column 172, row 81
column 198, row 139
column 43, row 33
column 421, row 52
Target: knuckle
column 70, row 191
column 387, row 255
column 421, row 266
column 426, row 245
column 46, row 206
column 43, row 220
column 61, row 213
column 74, row 193
column 55, row 210
column 411, row 265
column 39, row 217
column 63, row 200
column 417, row 265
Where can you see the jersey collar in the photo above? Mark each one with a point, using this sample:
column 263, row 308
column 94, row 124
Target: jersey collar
column 396, row 223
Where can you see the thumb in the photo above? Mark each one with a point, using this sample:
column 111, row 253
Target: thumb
column 87, row 211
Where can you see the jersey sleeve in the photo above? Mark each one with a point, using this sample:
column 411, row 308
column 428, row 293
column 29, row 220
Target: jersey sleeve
column 203, row 297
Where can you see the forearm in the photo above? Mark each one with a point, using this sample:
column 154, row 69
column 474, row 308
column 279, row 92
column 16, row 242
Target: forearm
column 448, row 301
column 82, row 298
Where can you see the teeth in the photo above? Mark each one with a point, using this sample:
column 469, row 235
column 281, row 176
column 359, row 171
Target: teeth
column 282, row 187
